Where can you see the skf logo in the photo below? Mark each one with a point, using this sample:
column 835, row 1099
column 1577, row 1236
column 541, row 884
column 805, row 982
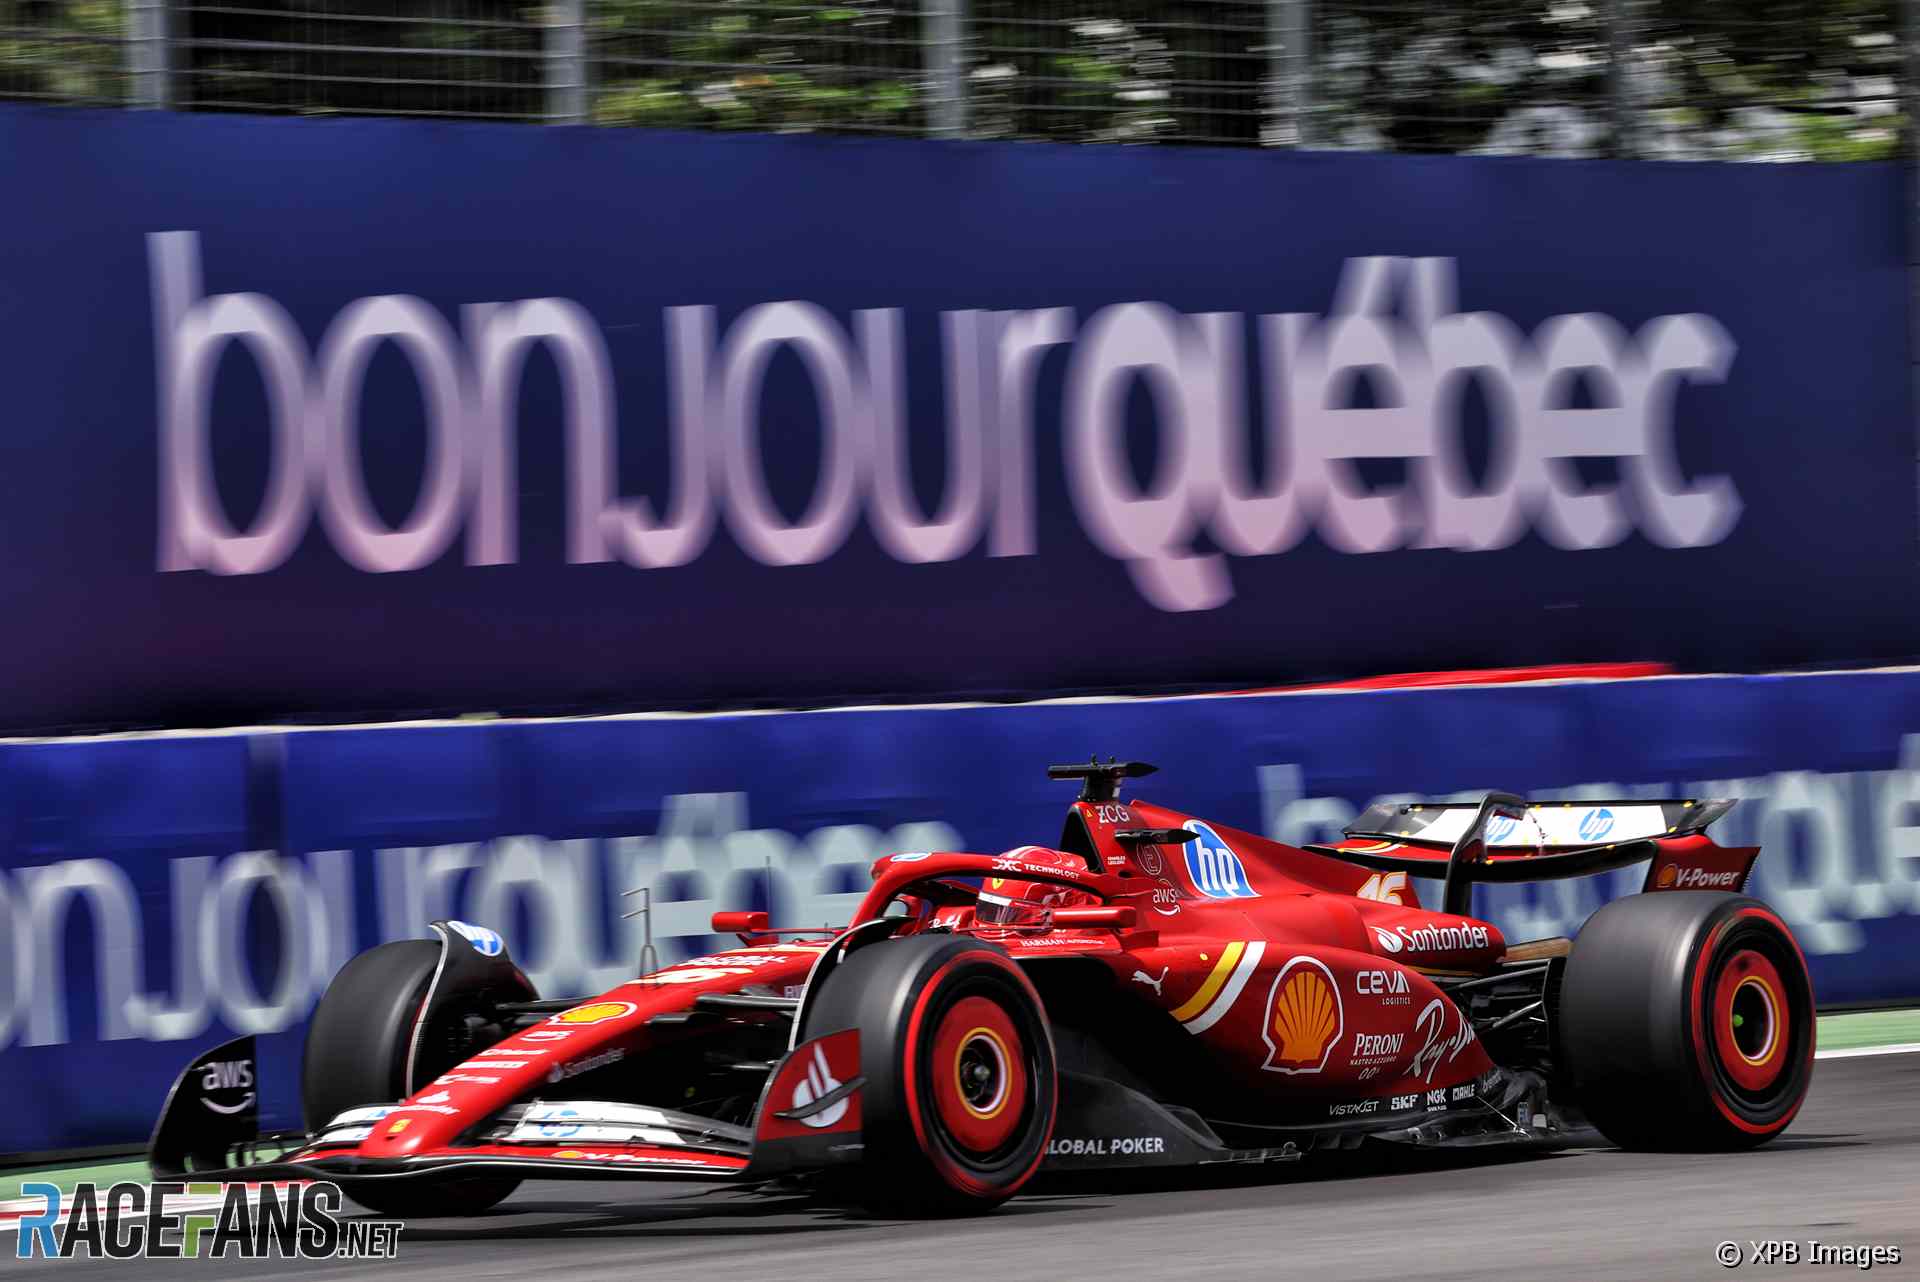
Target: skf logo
column 227, row 1075
column 1216, row 871
column 1303, row 1019
column 594, row 1013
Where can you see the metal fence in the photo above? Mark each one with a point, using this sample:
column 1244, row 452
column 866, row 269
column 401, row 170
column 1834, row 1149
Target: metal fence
column 1676, row 79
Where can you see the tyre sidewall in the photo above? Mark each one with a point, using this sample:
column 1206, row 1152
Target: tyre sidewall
column 1634, row 1016
column 895, row 993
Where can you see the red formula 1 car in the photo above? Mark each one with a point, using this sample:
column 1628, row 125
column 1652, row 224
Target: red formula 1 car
column 1154, row 991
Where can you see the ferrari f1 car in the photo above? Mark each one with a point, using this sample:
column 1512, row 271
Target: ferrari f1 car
column 1155, row 990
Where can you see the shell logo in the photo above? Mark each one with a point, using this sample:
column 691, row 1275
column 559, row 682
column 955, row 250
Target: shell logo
column 594, row 1013
column 1666, row 877
column 1303, row 1019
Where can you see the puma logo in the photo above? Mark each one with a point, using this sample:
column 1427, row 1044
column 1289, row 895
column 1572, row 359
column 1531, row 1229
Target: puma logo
column 1141, row 977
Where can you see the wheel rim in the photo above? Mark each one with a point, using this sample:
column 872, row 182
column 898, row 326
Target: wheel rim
column 979, row 1076
column 1749, row 1021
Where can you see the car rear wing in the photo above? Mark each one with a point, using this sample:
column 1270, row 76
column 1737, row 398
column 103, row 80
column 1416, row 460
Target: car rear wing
column 1504, row 838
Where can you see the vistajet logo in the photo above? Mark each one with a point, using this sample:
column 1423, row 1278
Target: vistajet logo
column 1205, row 493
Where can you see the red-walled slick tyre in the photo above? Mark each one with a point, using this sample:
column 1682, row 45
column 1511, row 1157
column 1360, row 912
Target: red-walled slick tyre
column 1687, row 1021
column 960, row 1089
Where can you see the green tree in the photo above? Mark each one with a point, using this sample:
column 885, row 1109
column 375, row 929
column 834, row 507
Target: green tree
column 1763, row 79
column 63, row 52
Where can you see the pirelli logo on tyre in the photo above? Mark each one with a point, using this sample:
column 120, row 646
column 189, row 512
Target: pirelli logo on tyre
column 1304, row 1017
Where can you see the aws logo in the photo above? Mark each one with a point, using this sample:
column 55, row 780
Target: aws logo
column 1304, row 1017
column 1216, row 871
column 227, row 1075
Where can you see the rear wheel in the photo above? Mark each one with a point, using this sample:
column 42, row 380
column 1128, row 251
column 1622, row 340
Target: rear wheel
column 1687, row 1021
column 356, row 1054
column 960, row 1090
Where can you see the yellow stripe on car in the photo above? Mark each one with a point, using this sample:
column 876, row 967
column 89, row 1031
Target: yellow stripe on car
column 1221, row 969
column 1216, row 997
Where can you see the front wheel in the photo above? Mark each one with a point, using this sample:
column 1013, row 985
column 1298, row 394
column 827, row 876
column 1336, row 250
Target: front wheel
column 960, row 1090
column 1687, row 1021
column 357, row 1049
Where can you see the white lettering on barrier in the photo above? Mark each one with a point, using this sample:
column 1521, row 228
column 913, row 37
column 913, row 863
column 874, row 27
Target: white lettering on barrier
column 1836, row 849
column 1841, row 848
column 905, row 534
column 1418, row 361
column 702, row 858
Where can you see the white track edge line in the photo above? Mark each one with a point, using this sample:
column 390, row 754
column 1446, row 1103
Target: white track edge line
column 1857, row 1052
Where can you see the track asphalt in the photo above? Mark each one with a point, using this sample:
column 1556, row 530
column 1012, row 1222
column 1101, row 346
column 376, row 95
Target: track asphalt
column 1848, row 1172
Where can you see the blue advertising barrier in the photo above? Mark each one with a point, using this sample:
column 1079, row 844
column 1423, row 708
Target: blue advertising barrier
column 164, row 894
column 322, row 418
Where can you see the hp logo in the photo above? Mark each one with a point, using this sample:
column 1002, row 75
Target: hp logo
column 1596, row 824
column 1216, row 871
column 1499, row 828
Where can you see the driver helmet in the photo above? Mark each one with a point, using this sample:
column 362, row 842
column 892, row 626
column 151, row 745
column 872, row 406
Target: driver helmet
column 1012, row 901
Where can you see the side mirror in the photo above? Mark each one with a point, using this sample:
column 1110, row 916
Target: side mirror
column 739, row 923
column 1121, row 917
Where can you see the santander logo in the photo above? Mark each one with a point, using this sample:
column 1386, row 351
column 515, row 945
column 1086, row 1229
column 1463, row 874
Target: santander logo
column 819, row 1081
